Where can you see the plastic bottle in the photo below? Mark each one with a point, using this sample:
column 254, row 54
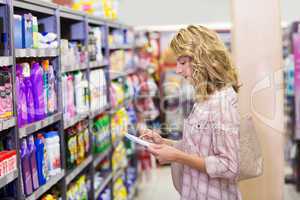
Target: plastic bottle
column 8, row 91
column 45, row 67
column 70, row 97
column 2, row 97
column 35, row 32
column 52, row 145
column 38, row 91
column 20, row 91
column 25, row 163
column 29, row 100
column 64, row 95
column 41, row 159
column 52, row 97
column 79, row 93
column 33, row 167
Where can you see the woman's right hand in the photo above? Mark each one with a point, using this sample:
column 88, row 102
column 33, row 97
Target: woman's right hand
column 151, row 136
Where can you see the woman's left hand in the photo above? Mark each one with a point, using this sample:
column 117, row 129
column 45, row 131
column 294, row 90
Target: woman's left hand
column 164, row 153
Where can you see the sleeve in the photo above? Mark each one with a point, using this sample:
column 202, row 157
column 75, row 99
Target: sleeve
column 225, row 121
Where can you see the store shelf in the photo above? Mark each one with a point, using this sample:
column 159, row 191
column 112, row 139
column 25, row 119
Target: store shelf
column 33, row 53
column 6, row 61
column 78, row 169
column 71, row 14
column 2, row 2
column 50, row 183
column 103, row 185
column 71, row 122
column 132, row 191
column 95, row 113
column 8, row 123
column 36, row 5
column 99, row 158
column 118, row 173
column 117, row 142
column 96, row 64
column 33, row 127
column 114, row 76
column 121, row 47
column 96, row 20
column 66, row 69
column 8, row 178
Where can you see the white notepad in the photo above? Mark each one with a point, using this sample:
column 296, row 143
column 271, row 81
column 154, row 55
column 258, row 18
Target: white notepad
column 137, row 140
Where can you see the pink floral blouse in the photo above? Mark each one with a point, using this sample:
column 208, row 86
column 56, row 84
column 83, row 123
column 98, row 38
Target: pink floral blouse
column 212, row 131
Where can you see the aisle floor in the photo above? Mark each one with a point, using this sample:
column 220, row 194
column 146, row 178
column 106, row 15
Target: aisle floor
column 160, row 186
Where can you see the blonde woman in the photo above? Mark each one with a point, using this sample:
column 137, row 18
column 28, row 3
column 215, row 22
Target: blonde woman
column 209, row 149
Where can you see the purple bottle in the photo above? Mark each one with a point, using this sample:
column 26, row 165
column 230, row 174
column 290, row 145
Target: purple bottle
column 25, row 163
column 20, row 93
column 38, row 91
column 29, row 100
column 33, row 167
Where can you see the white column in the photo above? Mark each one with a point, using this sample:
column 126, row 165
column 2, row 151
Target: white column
column 257, row 52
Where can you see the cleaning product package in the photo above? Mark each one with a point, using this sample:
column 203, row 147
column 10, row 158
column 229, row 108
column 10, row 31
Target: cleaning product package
column 52, row 145
column 25, row 164
column 28, row 93
column 52, row 96
column 38, row 91
column 18, row 36
column 27, row 31
column 21, row 97
column 41, row 159
column 32, row 158
column 8, row 93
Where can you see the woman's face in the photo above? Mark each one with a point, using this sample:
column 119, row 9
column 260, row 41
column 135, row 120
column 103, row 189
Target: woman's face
column 184, row 67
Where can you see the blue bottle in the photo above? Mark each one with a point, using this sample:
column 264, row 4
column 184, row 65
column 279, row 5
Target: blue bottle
column 41, row 159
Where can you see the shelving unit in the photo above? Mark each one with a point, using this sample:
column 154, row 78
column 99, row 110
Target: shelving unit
column 78, row 169
column 52, row 181
column 57, row 19
column 103, row 185
column 31, row 128
column 8, row 178
column 99, row 158
column 36, row 53
column 6, row 61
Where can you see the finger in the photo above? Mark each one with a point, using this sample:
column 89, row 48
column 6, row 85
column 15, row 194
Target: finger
column 153, row 151
column 156, row 146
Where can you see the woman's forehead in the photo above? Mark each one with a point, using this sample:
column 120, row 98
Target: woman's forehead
column 183, row 58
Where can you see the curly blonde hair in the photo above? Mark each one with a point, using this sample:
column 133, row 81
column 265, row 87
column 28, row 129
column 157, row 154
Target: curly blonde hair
column 212, row 67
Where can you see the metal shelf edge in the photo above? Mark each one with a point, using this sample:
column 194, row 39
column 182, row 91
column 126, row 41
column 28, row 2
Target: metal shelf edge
column 8, row 178
column 97, row 112
column 75, row 120
column 99, row 158
column 95, row 64
column 28, row 53
column 133, row 191
column 119, row 173
column 64, row 70
column 6, row 124
column 79, row 169
column 40, row 6
column 6, row 61
column 40, row 191
column 35, row 126
column 71, row 14
column 103, row 185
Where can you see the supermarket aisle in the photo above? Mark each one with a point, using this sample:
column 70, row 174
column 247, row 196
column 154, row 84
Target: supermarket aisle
column 160, row 186
column 290, row 193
